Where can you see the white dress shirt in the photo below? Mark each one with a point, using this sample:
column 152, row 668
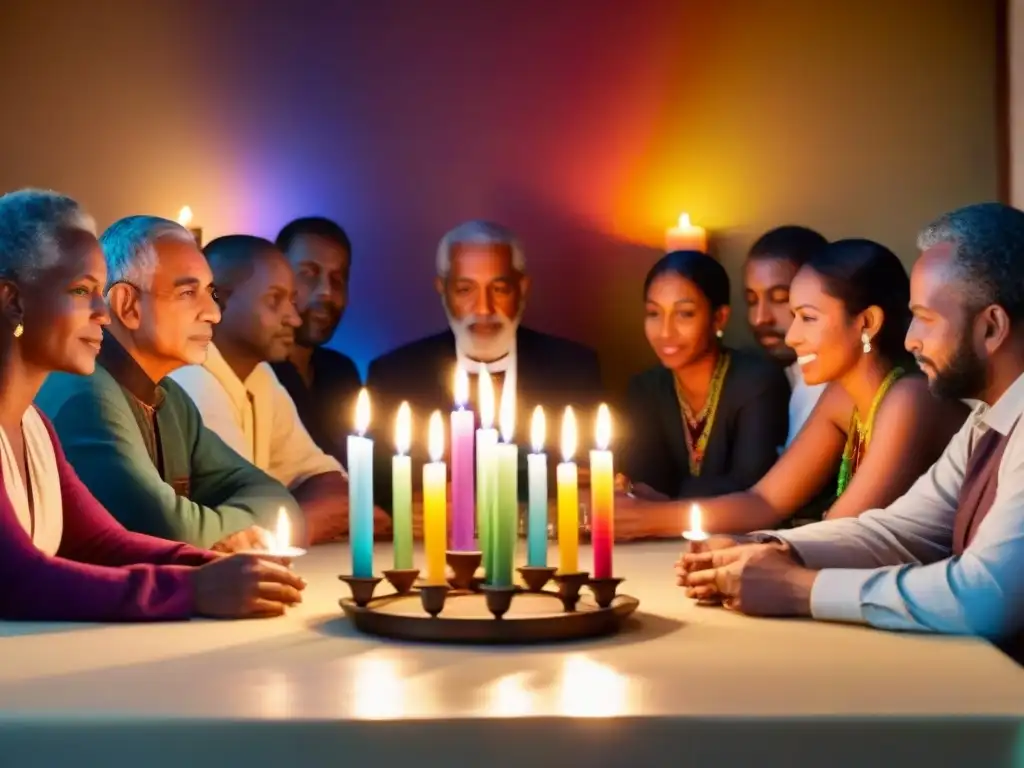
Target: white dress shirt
column 802, row 400
column 506, row 365
column 893, row 568
column 257, row 418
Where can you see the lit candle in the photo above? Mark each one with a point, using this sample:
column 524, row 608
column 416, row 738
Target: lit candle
column 568, row 499
column 185, row 219
column 537, row 468
column 696, row 532
column 505, row 528
column 686, row 237
column 602, row 497
column 282, row 544
column 401, row 489
column 486, row 469
column 463, row 503
column 435, row 502
column 360, row 491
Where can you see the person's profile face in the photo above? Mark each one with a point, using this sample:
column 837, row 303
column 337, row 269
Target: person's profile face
column 766, row 282
column 822, row 334
column 260, row 314
column 321, row 268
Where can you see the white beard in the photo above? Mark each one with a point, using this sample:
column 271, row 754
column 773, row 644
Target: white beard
column 485, row 349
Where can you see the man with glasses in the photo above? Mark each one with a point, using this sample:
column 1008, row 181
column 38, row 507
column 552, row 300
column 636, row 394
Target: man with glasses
column 135, row 438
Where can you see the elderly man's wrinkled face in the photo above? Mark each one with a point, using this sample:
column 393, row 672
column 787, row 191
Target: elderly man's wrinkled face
column 483, row 296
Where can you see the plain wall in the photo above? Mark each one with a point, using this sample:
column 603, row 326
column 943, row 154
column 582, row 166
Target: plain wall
column 586, row 125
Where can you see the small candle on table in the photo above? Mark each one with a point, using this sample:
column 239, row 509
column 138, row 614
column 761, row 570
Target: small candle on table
column 602, row 497
column 401, row 489
column 696, row 534
column 505, row 528
column 463, row 503
column 435, row 502
column 486, row 469
column 360, row 491
column 282, row 538
column 568, row 499
column 537, row 469
column 686, row 237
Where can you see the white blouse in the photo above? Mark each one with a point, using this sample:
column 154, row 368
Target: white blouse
column 43, row 521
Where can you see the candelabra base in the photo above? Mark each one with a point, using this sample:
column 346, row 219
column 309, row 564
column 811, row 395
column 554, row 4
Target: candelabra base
column 402, row 579
column 362, row 588
column 464, row 565
column 569, row 585
column 536, row 577
column 498, row 599
column 604, row 590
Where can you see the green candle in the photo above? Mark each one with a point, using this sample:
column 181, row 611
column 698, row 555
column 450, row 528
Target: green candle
column 401, row 489
column 506, row 531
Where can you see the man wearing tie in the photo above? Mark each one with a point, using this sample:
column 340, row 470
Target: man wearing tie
column 483, row 285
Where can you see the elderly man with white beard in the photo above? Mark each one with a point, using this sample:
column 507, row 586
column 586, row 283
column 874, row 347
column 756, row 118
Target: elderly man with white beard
column 483, row 285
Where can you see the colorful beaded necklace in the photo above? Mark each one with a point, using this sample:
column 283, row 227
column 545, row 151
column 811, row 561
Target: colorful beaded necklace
column 697, row 428
column 859, row 436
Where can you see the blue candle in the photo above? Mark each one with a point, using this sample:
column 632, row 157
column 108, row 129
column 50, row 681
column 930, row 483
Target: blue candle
column 537, row 520
column 360, row 491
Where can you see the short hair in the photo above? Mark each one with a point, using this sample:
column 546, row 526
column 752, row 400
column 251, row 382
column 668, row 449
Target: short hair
column 129, row 247
column 232, row 257
column 792, row 242
column 31, row 223
column 704, row 271
column 479, row 232
column 313, row 225
column 861, row 274
column 989, row 253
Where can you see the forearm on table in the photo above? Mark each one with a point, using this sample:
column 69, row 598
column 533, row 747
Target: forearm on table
column 739, row 513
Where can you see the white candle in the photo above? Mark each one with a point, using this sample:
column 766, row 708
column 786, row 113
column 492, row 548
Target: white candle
column 282, row 544
column 696, row 532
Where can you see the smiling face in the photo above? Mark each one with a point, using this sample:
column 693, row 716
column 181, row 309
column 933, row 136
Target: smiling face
column 679, row 322
column 824, row 337
column 64, row 311
column 767, row 282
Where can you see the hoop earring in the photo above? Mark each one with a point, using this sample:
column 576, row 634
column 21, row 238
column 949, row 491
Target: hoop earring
column 18, row 330
column 866, row 341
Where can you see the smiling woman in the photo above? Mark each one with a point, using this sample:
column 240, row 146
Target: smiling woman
column 709, row 419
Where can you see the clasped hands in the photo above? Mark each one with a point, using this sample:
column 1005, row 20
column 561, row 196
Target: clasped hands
column 751, row 578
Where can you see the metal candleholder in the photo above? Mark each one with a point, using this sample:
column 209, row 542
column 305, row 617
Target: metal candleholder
column 464, row 566
column 402, row 579
column 498, row 599
column 362, row 588
column 569, row 585
column 535, row 577
column 604, row 590
column 433, row 597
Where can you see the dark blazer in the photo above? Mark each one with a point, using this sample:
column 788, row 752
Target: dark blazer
column 550, row 371
column 749, row 427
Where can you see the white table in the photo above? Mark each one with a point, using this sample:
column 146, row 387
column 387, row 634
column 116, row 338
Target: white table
column 684, row 684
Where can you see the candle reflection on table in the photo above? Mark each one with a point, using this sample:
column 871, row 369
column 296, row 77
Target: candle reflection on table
column 591, row 689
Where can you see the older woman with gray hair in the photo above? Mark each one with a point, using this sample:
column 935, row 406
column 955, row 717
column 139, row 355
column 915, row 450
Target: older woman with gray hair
column 62, row 556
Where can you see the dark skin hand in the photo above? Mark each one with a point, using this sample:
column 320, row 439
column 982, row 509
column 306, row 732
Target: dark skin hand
column 245, row 586
column 324, row 502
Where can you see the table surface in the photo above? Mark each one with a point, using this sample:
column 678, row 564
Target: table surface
column 675, row 659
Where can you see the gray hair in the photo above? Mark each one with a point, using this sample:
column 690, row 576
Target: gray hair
column 482, row 233
column 31, row 223
column 989, row 253
column 129, row 247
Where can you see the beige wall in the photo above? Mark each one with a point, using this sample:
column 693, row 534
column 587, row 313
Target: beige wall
column 587, row 125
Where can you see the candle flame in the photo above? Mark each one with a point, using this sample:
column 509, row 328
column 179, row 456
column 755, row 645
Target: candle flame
column 283, row 537
column 507, row 417
column 461, row 386
column 486, row 395
column 403, row 429
column 538, row 428
column 695, row 520
column 435, row 437
column 684, row 221
column 603, row 433
column 185, row 216
column 568, row 434
column 362, row 411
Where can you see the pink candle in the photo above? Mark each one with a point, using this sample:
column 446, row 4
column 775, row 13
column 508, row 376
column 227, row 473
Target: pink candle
column 602, row 497
column 463, row 492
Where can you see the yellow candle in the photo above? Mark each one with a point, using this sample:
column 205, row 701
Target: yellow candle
column 435, row 503
column 568, row 500
column 686, row 237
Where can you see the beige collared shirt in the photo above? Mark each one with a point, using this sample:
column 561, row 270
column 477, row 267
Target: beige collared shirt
column 256, row 417
column 893, row 568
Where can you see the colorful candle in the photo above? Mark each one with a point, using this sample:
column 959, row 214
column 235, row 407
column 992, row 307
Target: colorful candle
column 486, row 469
column 435, row 502
column 401, row 489
column 537, row 469
column 602, row 497
column 505, row 528
column 686, row 237
column 568, row 499
column 360, row 491
column 462, row 467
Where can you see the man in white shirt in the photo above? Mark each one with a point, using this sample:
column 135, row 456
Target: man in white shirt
column 946, row 557
column 238, row 394
column 771, row 264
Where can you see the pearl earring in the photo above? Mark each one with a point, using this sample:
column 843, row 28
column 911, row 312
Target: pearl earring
column 866, row 341
column 18, row 330
column 719, row 333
